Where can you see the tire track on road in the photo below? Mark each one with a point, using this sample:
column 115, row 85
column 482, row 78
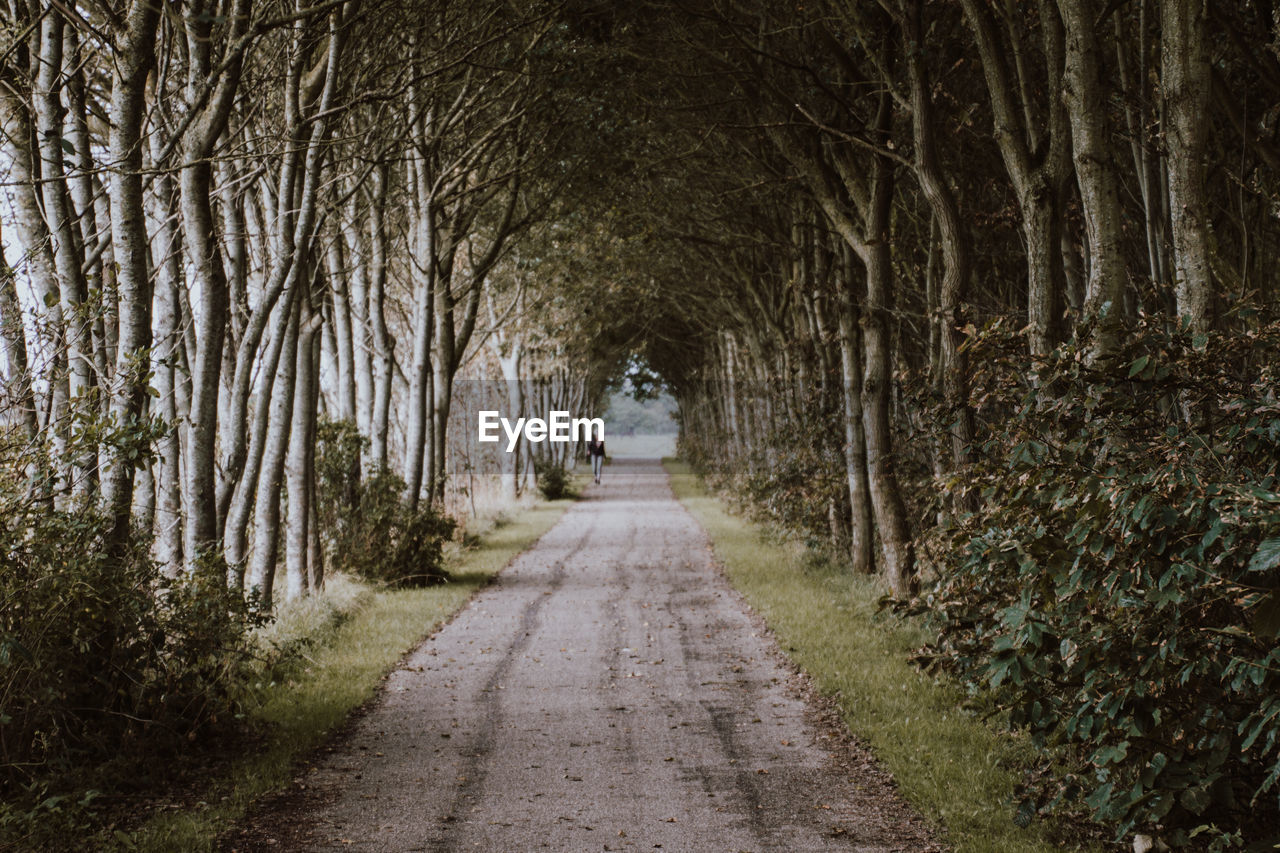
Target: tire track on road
column 609, row 692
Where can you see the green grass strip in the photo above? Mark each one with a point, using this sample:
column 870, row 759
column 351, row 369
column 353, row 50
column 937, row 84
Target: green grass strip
column 342, row 673
column 949, row 765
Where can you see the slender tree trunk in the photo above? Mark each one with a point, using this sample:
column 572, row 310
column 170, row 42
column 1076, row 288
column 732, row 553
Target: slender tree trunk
column 510, row 462
column 260, row 575
column 1086, row 100
column 166, row 249
column 235, row 234
column 209, row 277
column 298, row 480
column 64, row 232
column 99, row 278
column 442, row 402
column 144, row 490
column 1140, row 128
column 133, row 61
column 18, row 390
column 887, row 501
column 382, row 352
column 420, row 368
column 1036, row 180
column 1186, row 83
column 1041, row 226
column 205, row 263
column 33, row 232
column 344, row 350
column 361, row 339
column 953, row 376
column 861, row 533
column 235, row 535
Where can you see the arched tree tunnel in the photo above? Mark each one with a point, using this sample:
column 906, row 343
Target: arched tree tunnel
column 977, row 298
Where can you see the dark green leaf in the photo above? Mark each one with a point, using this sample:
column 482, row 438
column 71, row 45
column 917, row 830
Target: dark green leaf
column 1196, row 800
column 1267, row 556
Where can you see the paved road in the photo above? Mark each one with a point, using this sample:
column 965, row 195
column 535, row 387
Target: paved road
column 609, row 692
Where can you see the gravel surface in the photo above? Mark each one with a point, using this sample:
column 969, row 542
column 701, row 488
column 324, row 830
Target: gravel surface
column 608, row 692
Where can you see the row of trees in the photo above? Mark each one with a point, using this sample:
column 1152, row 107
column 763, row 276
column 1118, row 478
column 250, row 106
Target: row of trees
column 232, row 217
column 909, row 252
column 251, row 249
column 923, row 170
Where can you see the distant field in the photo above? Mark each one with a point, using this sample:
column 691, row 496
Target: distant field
column 640, row 446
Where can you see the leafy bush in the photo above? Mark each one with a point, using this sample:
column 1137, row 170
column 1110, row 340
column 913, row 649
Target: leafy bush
column 801, row 474
column 553, row 480
column 1119, row 589
column 97, row 653
column 369, row 530
column 793, row 478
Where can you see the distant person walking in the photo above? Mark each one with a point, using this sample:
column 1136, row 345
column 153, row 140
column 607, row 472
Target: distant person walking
column 595, row 449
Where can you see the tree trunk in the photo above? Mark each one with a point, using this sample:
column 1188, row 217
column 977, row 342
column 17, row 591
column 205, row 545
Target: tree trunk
column 419, row 379
column 1036, row 180
column 33, row 232
column 861, row 534
column 442, row 371
column 18, row 389
column 133, row 61
column 1186, row 82
column 419, row 415
column 99, row 277
column 64, row 231
column 298, row 479
column 361, row 339
column 1041, row 226
column 339, row 275
column 952, row 379
column 235, row 534
column 886, row 495
column 166, row 248
column 1087, row 106
column 510, row 462
column 382, row 352
column 205, row 263
column 260, row 575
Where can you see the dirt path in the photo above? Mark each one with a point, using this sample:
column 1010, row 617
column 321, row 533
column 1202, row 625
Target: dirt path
column 609, row 692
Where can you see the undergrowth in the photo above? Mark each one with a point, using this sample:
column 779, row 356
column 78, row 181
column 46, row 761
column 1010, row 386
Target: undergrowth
column 297, row 679
column 332, row 677
column 1117, row 589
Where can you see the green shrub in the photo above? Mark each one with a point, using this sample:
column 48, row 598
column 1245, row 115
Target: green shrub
column 98, row 654
column 553, row 480
column 800, row 475
column 1119, row 590
column 369, row 531
column 794, row 477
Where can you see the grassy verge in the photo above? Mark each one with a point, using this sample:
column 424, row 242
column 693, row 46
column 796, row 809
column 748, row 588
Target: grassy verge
column 342, row 670
column 952, row 767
